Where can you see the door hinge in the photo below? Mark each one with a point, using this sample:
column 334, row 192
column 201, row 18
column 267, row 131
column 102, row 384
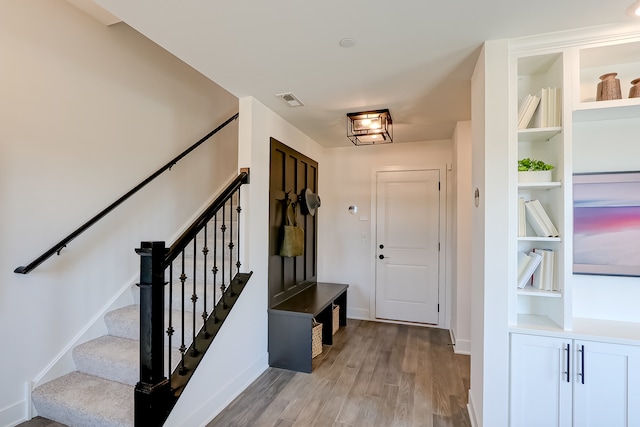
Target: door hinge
column 438, row 185
column 438, row 246
column 438, row 308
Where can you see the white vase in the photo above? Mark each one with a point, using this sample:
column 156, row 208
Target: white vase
column 534, row 176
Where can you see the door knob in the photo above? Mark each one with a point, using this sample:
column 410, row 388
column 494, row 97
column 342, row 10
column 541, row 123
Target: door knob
column 381, row 256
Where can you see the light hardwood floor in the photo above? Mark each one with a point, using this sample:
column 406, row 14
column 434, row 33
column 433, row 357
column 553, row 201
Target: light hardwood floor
column 375, row 374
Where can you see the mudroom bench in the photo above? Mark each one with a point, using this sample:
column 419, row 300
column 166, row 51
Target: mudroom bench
column 291, row 321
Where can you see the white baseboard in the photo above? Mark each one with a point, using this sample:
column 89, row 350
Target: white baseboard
column 224, row 396
column 472, row 412
column 460, row 346
column 13, row 415
column 358, row 313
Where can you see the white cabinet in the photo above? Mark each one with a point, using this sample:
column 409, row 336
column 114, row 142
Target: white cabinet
column 540, row 390
column 606, row 389
column 565, row 382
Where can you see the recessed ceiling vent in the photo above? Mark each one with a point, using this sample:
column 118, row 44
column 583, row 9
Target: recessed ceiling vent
column 291, row 99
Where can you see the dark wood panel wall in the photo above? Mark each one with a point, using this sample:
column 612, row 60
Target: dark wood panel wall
column 291, row 172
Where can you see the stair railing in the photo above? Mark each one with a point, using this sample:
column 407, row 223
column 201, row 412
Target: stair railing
column 209, row 251
column 58, row 247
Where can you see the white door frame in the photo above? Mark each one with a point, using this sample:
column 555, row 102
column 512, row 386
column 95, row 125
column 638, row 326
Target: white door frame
column 443, row 291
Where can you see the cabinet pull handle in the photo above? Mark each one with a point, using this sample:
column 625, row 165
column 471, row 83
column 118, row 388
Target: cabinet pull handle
column 568, row 371
column 581, row 374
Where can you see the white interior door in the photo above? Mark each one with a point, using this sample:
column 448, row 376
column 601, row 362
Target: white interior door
column 407, row 245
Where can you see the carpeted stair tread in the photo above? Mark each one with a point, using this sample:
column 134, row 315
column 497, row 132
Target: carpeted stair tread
column 109, row 357
column 113, row 358
column 125, row 323
column 81, row 400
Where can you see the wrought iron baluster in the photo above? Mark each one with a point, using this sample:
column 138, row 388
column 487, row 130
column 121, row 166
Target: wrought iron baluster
column 183, row 347
column 215, row 264
column 223, row 228
column 238, row 210
column 231, row 245
column 194, row 297
column 205, row 251
column 170, row 329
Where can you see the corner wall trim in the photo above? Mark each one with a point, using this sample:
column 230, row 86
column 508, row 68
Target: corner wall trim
column 472, row 412
column 460, row 346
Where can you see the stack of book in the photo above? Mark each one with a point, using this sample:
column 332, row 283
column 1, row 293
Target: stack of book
column 544, row 278
column 527, row 108
column 535, row 215
column 548, row 106
column 550, row 114
column 537, row 269
column 527, row 264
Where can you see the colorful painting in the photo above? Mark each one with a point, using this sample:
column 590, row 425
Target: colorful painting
column 606, row 223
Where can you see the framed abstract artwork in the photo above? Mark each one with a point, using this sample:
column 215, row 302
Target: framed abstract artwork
column 606, row 223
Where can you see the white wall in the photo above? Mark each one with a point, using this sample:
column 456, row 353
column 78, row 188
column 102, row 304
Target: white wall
column 489, row 315
column 346, row 252
column 87, row 112
column 596, row 150
column 476, row 392
column 462, row 239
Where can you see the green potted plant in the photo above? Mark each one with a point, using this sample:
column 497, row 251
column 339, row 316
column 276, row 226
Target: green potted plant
column 532, row 170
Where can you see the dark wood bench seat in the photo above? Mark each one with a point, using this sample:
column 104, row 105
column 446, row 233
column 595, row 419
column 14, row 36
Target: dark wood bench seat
column 290, row 324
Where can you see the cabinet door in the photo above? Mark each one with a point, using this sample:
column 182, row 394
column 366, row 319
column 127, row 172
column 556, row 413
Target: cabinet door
column 607, row 385
column 540, row 381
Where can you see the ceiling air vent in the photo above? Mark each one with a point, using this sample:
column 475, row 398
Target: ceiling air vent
column 291, row 99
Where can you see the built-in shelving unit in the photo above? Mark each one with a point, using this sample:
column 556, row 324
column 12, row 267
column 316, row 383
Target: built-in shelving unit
column 595, row 136
column 623, row 59
column 547, row 144
column 587, row 125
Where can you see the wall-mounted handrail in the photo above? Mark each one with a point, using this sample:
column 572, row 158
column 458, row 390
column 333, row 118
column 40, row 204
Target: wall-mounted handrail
column 63, row 243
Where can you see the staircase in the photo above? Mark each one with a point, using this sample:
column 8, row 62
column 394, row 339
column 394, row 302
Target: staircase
column 203, row 285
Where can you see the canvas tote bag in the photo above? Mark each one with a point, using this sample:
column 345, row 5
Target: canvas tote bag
column 292, row 234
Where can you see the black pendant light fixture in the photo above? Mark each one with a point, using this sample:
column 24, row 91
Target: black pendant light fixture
column 370, row 127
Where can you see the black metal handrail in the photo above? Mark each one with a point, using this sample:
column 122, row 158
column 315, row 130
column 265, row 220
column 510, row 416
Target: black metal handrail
column 57, row 248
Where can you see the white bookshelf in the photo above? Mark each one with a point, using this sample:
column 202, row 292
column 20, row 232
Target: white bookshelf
column 547, row 144
column 587, row 314
column 592, row 130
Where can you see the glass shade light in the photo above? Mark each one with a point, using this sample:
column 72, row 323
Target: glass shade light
column 370, row 127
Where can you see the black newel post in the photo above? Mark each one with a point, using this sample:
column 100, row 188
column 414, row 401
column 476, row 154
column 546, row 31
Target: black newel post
column 153, row 390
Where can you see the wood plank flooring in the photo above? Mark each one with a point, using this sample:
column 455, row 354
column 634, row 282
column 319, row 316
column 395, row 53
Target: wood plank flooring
column 375, row 374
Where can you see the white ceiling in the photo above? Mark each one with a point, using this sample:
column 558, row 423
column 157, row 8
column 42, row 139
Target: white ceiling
column 414, row 57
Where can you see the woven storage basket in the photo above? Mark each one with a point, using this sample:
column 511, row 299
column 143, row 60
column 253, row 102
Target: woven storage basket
column 316, row 339
column 336, row 319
